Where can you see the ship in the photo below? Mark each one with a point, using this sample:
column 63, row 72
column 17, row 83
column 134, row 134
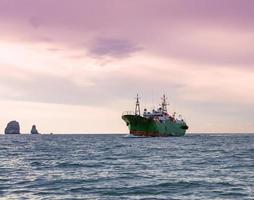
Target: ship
column 156, row 123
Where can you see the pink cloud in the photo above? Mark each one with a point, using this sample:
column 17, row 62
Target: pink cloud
column 164, row 27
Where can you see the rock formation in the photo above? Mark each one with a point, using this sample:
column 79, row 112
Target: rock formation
column 12, row 128
column 34, row 130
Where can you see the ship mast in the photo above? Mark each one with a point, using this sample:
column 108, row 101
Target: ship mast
column 164, row 103
column 137, row 108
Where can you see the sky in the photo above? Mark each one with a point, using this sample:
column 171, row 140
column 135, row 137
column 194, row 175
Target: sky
column 73, row 66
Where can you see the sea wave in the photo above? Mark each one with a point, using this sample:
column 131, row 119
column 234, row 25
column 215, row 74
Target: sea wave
column 113, row 167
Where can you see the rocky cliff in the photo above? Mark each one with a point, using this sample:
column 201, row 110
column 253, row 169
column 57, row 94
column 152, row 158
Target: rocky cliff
column 34, row 130
column 12, row 128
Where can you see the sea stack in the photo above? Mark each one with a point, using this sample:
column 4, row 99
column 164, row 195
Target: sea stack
column 12, row 128
column 34, row 130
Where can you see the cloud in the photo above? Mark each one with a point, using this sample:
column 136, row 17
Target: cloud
column 112, row 47
column 203, row 31
column 22, row 84
column 206, row 45
column 35, row 22
column 85, row 87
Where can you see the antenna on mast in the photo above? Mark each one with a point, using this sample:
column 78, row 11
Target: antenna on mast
column 164, row 103
column 137, row 108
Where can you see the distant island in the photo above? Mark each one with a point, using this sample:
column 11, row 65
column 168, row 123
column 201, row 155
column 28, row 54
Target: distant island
column 13, row 127
column 34, row 130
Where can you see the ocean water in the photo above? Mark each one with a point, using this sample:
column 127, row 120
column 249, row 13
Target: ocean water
column 119, row 167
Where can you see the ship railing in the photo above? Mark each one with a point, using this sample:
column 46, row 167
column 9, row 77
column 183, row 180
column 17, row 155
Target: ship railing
column 128, row 113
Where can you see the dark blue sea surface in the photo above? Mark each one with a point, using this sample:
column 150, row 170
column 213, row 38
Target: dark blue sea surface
column 119, row 167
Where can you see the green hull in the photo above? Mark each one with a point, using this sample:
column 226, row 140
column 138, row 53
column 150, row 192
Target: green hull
column 141, row 126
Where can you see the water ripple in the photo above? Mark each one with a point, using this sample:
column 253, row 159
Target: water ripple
column 118, row 167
